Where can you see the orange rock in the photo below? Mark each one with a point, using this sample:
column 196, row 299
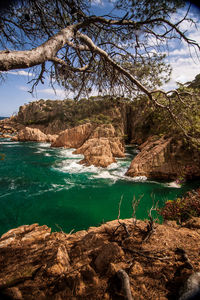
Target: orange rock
column 165, row 158
column 31, row 134
column 73, row 137
column 108, row 253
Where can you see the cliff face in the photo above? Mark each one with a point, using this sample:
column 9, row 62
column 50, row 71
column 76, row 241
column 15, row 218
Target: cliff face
column 38, row 264
column 55, row 116
column 165, row 158
column 132, row 122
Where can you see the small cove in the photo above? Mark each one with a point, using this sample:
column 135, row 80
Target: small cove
column 44, row 185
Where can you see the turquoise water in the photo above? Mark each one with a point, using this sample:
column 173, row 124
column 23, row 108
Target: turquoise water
column 39, row 184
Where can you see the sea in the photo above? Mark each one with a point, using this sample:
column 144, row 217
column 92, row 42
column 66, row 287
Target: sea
column 40, row 184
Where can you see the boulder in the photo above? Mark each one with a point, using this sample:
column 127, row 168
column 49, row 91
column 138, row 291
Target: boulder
column 97, row 152
column 165, row 158
column 51, row 138
column 108, row 253
column 100, row 152
column 31, row 134
column 73, row 137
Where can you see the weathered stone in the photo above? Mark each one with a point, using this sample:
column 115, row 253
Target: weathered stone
column 108, row 253
column 83, row 265
column 165, row 158
column 103, row 131
column 97, row 152
column 31, row 134
column 73, row 137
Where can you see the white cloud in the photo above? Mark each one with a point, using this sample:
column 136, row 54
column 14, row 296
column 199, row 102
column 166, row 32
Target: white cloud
column 21, row 73
column 48, row 91
column 184, row 69
column 97, row 2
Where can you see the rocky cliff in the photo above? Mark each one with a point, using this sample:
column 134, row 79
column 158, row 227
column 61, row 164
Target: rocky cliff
column 133, row 122
column 166, row 158
column 52, row 117
column 38, row 264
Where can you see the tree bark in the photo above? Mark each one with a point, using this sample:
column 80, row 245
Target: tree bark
column 10, row 60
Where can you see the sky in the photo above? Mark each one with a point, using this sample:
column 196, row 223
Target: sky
column 14, row 91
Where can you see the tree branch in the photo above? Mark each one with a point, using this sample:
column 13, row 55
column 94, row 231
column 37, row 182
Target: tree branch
column 29, row 58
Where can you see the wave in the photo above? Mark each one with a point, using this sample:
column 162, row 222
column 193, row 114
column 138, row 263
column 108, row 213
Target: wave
column 8, row 142
column 44, row 145
column 173, row 184
column 68, row 153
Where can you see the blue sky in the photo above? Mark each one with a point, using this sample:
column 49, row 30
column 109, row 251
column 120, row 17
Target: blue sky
column 185, row 64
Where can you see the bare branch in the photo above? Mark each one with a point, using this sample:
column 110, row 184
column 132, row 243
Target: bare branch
column 62, row 62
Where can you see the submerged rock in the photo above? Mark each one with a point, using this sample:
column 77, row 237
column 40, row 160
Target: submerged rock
column 165, row 158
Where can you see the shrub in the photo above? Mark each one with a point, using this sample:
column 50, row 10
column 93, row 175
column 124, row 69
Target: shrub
column 183, row 208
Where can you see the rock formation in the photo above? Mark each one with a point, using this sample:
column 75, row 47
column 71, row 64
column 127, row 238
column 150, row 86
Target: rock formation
column 165, row 158
column 102, row 147
column 98, row 144
column 73, row 137
column 38, row 264
column 96, row 152
column 33, row 134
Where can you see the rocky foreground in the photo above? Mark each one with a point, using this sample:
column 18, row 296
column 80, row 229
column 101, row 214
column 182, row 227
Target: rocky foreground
column 38, row 264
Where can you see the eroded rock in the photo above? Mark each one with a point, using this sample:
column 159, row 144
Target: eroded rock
column 96, row 152
column 73, row 137
column 38, row 264
column 165, row 158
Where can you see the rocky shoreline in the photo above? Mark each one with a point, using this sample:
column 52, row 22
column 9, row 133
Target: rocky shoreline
column 38, row 264
column 164, row 157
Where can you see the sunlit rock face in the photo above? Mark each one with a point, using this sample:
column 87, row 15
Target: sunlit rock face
column 98, row 144
column 33, row 134
column 73, row 137
column 165, row 158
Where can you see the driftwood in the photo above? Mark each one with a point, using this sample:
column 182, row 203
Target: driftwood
column 125, row 284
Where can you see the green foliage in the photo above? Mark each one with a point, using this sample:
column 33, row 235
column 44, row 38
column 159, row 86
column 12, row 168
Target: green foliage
column 184, row 105
column 183, row 208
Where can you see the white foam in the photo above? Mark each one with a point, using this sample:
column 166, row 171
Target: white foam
column 44, row 145
column 72, row 166
column 113, row 166
column 139, row 178
column 69, row 153
column 8, row 142
column 104, row 174
column 174, row 184
column 47, row 154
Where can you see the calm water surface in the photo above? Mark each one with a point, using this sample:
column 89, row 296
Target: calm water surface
column 44, row 185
